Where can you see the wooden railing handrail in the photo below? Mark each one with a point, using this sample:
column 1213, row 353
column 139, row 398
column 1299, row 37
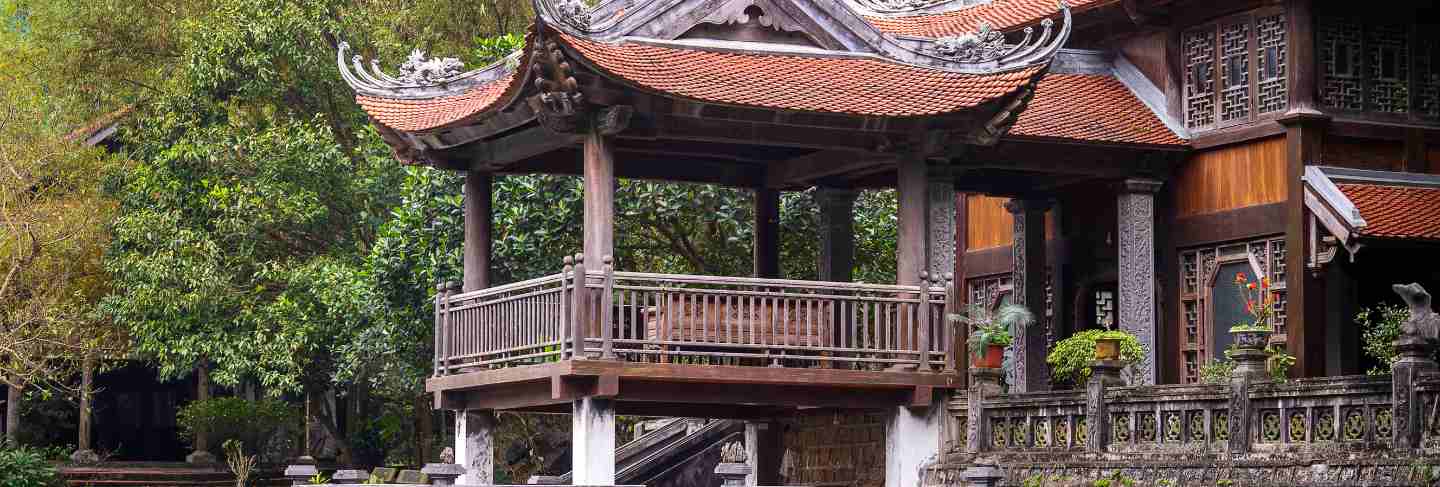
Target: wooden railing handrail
column 768, row 282
column 490, row 291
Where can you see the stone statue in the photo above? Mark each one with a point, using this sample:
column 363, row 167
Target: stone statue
column 733, row 452
column 1423, row 324
column 447, row 455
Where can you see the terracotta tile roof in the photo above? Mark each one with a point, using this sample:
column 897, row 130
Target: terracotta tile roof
column 1001, row 14
column 1396, row 211
column 1091, row 107
column 792, row 82
column 427, row 114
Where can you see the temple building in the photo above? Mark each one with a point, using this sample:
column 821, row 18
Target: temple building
column 1105, row 163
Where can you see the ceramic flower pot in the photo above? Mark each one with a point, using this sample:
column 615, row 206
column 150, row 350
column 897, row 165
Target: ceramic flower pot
column 1107, row 349
column 1250, row 339
column 992, row 359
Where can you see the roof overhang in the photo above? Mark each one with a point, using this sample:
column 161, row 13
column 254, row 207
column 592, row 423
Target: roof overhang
column 1357, row 207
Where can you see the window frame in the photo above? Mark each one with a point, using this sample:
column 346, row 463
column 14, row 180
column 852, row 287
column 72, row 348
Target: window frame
column 1254, row 69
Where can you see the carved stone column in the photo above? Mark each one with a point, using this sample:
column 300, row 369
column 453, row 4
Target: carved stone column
column 983, row 383
column 1031, row 373
column 940, row 246
column 1136, row 240
column 837, row 233
column 1103, row 374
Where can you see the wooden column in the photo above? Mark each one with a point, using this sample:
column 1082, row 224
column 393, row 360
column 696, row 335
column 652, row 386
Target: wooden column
column 767, row 232
column 940, row 226
column 837, row 233
column 477, row 230
column 910, row 243
column 1031, row 372
column 1304, row 126
column 1137, row 289
column 962, row 291
column 599, row 198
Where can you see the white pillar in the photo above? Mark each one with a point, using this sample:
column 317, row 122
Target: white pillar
column 1136, row 237
column 592, row 449
column 475, row 446
column 912, row 442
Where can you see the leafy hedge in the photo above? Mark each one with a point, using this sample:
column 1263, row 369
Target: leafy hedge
column 26, row 467
column 233, row 418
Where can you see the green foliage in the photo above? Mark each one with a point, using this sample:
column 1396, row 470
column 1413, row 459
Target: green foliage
column 995, row 327
column 1380, row 327
column 25, row 467
column 1217, row 371
column 1279, row 363
column 1114, row 480
column 319, row 479
column 1071, row 358
column 233, row 419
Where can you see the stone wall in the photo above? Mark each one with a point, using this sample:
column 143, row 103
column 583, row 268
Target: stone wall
column 1211, row 472
column 828, row 447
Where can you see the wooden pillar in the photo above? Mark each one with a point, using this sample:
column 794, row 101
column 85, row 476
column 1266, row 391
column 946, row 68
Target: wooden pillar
column 837, row 233
column 474, row 446
column 961, row 336
column 767, row 232
column 592, row 447
column 1137, row 287
column 599, row 198
column 1304, row 125
column 477, row 230
column 910, row 243
column 1028, row 251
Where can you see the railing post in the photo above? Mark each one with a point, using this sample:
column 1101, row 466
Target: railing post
column 580, row 314
column 983, row 383
column 922, row 319
column 981, row 475
column 952, row 308
column 1408, row 418
column 439, row 326
column 1239, row 420
column 607, row 300
column 1103, row 374
column 566, row 302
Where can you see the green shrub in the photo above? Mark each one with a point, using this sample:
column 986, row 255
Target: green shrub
column 1381, row 327
column 1071, row 358
column 233, row 418
column 25, row 467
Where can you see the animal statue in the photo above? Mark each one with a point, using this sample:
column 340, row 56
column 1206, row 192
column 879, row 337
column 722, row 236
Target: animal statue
column 1424, row 323
column 447, row 455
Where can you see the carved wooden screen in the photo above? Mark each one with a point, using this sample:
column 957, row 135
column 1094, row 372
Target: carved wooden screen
column 1378, row 67
column 1201, row 279
column 1235, row 69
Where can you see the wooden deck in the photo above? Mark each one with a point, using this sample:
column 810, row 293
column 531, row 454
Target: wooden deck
column 688, row 340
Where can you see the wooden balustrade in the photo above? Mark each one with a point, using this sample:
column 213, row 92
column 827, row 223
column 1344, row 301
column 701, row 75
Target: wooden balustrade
column 594, row 312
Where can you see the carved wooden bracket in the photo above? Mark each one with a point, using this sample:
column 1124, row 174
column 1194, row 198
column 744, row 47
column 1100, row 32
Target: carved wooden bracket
column 560, row 105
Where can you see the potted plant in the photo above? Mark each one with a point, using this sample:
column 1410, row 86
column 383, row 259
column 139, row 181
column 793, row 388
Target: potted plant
column 1259, row 302
column 992, row 331
column 1071, row 358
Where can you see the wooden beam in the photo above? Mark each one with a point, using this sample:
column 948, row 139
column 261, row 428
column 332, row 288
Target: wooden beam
column 650, row 167
column 682, row 127
column 727, row 374
column 521, row 145
column 805, row 170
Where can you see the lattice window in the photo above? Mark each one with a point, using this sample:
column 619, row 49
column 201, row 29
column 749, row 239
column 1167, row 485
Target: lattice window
column 1427, row 77
column 1200, row 284
column 1235, row 71
column 1340, row 58
column 1270, row 49
column 1105, row 308
column 1387, row 50
column 1200, row 78
column 992, row 290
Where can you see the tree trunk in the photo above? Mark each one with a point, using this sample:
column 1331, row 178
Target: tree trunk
column 425, row 431
column 12, row 414
column 87, row 392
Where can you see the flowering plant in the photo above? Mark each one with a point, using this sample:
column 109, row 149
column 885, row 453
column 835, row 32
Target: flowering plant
column 1259, row 302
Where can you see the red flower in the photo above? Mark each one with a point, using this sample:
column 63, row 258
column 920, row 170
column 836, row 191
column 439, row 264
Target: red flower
column 1239, row 277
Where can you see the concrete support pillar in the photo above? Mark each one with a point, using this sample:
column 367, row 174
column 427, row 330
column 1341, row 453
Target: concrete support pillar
column 1408, row 418
column 837, row 233
column 1031, row 374
column 1136, row 240
column 477, row 230
column 599, row 236
column 912, row 443
column 475, row 446
column 752, row 451
column 767, row 233
column 983, row 383
column 592, row 447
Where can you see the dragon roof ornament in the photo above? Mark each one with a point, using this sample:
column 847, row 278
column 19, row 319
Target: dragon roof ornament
column 987, row 44
column 418, row 77
column 915, row 6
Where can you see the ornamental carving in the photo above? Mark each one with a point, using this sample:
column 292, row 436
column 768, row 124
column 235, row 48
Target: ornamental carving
column 575, row 13
column 1137, row 263
column 986, row 44
column 420, row 70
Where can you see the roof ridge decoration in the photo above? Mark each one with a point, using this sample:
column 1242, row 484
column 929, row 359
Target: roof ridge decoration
column 915, row 6
column 419, row 77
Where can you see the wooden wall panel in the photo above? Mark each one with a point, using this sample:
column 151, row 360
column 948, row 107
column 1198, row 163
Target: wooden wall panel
column 990, row 225
column 1379, row 155
column 1230, row 177
column 1433, row 156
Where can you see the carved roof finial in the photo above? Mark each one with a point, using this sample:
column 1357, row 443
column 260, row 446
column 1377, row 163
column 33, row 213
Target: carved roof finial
column 421, row 70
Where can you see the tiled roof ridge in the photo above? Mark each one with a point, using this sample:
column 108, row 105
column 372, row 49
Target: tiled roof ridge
column 1091, row 107
column 1005, row 15
column 1395, row 210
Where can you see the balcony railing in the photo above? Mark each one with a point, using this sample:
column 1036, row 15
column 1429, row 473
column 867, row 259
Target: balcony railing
column 598, row 313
